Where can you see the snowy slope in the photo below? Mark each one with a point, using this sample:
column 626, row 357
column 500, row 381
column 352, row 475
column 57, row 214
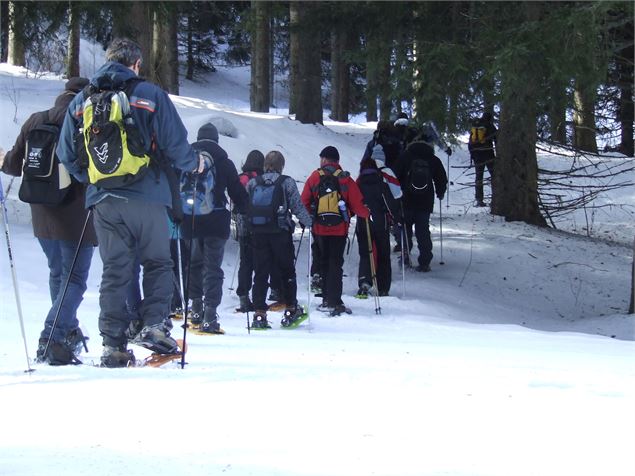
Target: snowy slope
column 499, row 362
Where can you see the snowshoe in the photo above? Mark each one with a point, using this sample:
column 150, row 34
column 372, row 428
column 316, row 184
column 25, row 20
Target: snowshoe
column 363, row 291
column 294, row 317
column 339, row 310
column 116, row 357
column 157, row 339
column 177, row 314
column 260, row 322
column 157, row 360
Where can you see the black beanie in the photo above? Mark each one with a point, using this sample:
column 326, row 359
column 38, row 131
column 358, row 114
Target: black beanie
column 331, row 153
column 76, row 84
column 208, row 131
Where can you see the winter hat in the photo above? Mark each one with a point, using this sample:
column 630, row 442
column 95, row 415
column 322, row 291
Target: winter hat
column 255, row 162
column 76, row 84
column 402, row 119
column 331, row 153
column 378, row 155
column 274, row 162
column 208, row 131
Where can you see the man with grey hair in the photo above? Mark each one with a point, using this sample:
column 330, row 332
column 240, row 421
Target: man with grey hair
column 131, row 218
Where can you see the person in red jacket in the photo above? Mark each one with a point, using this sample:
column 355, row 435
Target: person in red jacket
column 332, row 197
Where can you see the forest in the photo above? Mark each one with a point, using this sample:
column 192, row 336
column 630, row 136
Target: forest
column 553, row 74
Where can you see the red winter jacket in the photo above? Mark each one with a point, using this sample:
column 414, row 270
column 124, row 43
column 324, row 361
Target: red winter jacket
column 350, row 194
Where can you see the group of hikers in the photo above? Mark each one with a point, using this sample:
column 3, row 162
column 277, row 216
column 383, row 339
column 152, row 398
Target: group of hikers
column 106, row 162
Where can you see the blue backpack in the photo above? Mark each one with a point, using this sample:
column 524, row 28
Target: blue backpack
column 201, row 200
column 267, row 209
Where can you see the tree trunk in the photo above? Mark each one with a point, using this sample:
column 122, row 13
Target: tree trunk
column 631, row 308
column 584, row 118
column 4, row 31
column 294, row 55
column 134, row 20
column 515, row 181
column 165, row 67
column 189, row 74
column 625, row 113
column 557, row 110
column 260, row 57
column 72, row 58
column 372, row 76
column 16, row 48
column 340, row 75
column 383, row 76
column 308, row 98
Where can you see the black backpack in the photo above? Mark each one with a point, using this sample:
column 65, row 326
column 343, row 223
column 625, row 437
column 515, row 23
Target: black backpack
column 327, row 210
column 419, row 179
column 45, row 180
column 267, row 211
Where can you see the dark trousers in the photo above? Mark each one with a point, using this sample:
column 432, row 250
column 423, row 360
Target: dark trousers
column 331, row 250
column 60, row 254
column 127, row 229
column 482, row 159
column 380, row 236
column 206, row 273
column 421, row 222
column 246, row 266
column 274, row 251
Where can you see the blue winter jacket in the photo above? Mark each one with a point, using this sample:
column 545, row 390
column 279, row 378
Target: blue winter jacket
column 157, row 120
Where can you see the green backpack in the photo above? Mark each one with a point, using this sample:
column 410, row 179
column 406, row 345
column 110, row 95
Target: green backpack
column 111, row 148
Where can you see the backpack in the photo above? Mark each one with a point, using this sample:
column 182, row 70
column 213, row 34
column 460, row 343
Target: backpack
column 327, row 211
column 45, row 180
column 112, row 149
column 200, row 202
column 478, row 134
column 267, row 211
column 419, row 176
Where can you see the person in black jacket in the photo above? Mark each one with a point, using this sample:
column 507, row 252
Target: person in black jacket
column 211, row 231
column 58, row 230
column 421, row 175
column 481, row 146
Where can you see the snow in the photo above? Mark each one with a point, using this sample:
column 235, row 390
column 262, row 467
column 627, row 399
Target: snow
column 515, row 357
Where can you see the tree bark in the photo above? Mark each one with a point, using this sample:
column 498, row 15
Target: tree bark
column 294, row 55
column 189, row 74
column 340, row 75
column 515, row 181
column 372, row 76
column 4, row 31
column 16, row 48
column 308, row 98
column 558, row 115
column 134, row 20
column 625, row 113
column 72, row 58
column 165, row 66
column 260, row 57
column 584, row 118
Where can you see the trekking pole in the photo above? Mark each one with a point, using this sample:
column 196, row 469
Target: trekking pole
column 403, row 262
column 295, row 259
column 13, row 273
column 351, row 242
column 68, row 280
column 189, row 269
column 373, row 271
column 448, row 196
column 231, row 286
column 441, row 229
column 308, row 287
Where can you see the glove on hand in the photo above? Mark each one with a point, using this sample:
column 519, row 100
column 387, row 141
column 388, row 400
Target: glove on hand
column 378, row 154
column 204, row 162
column 448, row 151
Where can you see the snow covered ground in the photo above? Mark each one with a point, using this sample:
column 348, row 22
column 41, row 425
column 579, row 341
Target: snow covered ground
column 515, row 357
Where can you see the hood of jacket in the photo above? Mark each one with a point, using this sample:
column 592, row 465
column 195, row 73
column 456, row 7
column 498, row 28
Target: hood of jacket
column 112, row 76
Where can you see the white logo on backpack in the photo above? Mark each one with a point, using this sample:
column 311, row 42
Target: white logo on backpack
column 102, row 152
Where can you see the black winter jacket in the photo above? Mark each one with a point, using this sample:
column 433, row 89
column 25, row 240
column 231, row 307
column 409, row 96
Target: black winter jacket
column 424, row 202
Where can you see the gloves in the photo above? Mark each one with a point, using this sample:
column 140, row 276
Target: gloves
column 440, row 196
column 448, row 151
column 378, row 154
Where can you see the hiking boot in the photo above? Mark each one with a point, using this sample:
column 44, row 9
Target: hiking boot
column 276, row 295
column 210, row 323
column 339, row 310
column 177, row 313
column 41, row 347
column 196, row 312
column 292, row 315
column 115, row 357
column 260, row 320
column 133, row 329
column 364, row 290
column 75, row 340
column 480, row 204
column 324, row 307
column 423, row 268
column 157, row 339
column 245, row 304
column 59, row 353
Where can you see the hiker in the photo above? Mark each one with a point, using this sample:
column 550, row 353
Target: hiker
column 421, row 175
column 332, row 196
column 128, row 192
column 58, row 229
column 481, row 145
column 211, row 228
column 273, row 197
column 383, row 206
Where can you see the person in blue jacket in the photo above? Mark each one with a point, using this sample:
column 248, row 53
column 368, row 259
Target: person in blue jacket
column 133, row 217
